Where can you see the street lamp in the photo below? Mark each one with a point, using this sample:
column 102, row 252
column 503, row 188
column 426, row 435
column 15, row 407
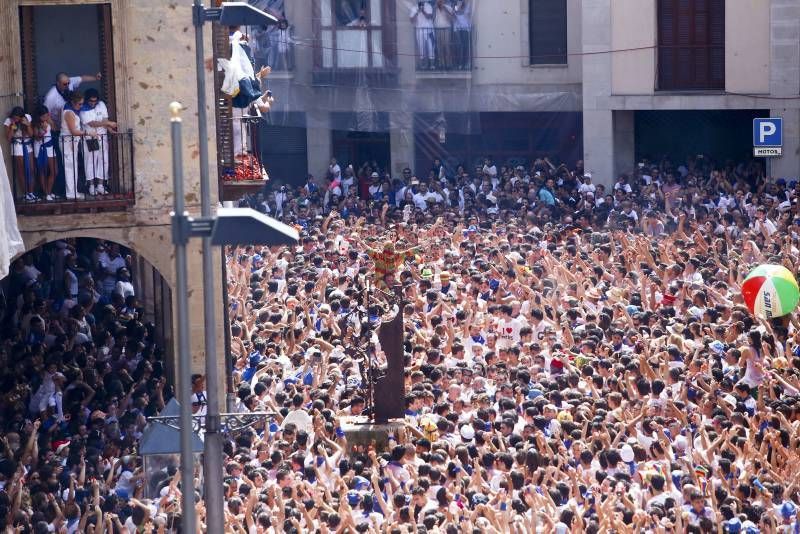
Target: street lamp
column 231, row 226
column 228, row 14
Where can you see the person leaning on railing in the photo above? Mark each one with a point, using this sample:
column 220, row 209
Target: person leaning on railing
column 19, row 134
column 70, row 143
column 94, row 117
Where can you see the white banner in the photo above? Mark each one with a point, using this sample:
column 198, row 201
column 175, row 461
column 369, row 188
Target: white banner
column 11, row 242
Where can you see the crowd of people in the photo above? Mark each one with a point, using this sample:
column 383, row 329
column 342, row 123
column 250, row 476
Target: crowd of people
column 63, row 144
column 80, row 371
column 443, row 34
column 577, row 358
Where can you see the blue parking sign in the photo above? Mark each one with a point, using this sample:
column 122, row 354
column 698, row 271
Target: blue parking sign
column 768, row 132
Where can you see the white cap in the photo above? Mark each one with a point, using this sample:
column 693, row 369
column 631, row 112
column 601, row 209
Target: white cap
column 626, row 453
column 467, row 432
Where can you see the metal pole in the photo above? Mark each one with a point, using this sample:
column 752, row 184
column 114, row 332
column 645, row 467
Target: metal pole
column 212, row 442
column 230, row 397
column 180, row 239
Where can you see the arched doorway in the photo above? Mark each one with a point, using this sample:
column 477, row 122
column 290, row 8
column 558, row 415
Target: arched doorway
column 95, row 274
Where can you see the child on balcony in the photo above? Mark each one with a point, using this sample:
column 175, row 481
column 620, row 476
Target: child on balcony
column 44, row 151
column 18, row 133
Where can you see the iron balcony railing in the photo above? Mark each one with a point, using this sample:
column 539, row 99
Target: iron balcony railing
column 444, row 49
column 241, row 159
column 71, row 174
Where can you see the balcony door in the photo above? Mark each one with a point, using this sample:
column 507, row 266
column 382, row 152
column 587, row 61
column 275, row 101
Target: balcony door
column 691, row 45
column 75, row 39
column 354, row 34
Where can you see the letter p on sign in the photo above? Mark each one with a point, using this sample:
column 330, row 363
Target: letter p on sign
column 768, row 132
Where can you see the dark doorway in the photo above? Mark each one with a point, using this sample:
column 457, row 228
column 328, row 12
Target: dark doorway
column 284, row 148
column 510, row 138
column 678, row 134
column 357, row 148
column 73, row 39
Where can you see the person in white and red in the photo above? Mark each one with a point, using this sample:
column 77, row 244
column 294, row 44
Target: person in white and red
column 508, row 328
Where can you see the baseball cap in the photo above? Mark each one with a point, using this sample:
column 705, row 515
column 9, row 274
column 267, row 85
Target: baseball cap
column 788, row 509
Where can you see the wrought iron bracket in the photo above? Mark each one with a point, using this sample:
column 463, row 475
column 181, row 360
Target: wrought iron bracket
column 229, row 423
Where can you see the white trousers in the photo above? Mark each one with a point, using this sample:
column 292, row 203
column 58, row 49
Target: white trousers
column 69, row 148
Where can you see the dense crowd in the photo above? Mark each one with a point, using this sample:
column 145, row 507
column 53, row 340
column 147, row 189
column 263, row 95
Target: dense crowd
column 578, row 358
column 80, row 371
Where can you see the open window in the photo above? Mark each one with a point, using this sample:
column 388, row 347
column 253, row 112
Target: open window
column 76, row 39
column 354, row 34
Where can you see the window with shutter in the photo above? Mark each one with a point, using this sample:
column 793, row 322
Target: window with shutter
column 691, row 44
column 28, row 42
column 548, row 32
column 106, row 49
column 223, row 109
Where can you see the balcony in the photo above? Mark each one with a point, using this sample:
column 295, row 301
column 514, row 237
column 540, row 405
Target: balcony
column 444, row 52
column 240, row 163
column 59, row 186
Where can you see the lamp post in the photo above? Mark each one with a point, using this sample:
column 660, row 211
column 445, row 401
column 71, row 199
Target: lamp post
column 230, row 226
column 229, row 14
column 182, row 305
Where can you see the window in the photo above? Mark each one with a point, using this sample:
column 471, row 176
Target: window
column 353, row 33
column 548, row 32
column 691, row 44
column 85, row 49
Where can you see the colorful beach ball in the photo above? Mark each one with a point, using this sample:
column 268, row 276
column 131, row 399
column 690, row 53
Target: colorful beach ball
column 770, row 291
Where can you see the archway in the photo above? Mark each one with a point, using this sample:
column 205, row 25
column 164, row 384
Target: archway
column 86, row 271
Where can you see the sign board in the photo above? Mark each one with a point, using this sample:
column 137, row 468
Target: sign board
column 767, row 137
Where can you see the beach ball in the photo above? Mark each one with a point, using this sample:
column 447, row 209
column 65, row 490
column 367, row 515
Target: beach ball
column 770, row 291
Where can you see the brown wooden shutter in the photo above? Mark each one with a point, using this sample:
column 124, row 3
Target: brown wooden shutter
column 223, row 109
column 717, row 43
column 106, row 49
column 691, row 44
column 28, row 43
column 389, row 19
column 548, row 32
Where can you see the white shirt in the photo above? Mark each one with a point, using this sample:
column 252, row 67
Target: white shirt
column 124, row 288
column 508, row 333
column 98, row 113
column 424, row 19
column 443, row 16
column 419, row 201
column 55, row 103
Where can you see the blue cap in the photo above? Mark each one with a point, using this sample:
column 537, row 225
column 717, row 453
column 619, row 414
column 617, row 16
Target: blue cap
column 533, row 393
column 257, row 257
column 717, row 346
column 353, row 498
column 494, row 284
column 781, row 181
column 788, row 509
column 361, row 483
column 254, row 360
column 273, row 427
column 733, row 525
